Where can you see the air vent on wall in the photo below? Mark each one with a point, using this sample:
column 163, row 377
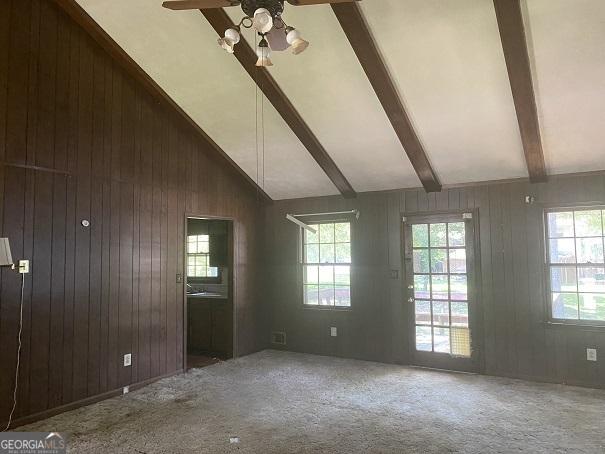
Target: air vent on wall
column 278, row 337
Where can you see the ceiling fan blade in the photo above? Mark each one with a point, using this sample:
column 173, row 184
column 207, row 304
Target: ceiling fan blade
column 277, row 39
column 318, row 2
column 198, row 4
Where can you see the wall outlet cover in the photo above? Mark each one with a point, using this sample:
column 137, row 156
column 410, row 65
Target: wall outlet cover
column 127, row 359
column 333, row 331
column 591, row 354
column 125, row 389
column 23, row 266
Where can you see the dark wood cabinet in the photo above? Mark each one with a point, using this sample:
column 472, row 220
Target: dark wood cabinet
column 199, row 325
column 221, row 327
column 210, row 326
column 218, row 249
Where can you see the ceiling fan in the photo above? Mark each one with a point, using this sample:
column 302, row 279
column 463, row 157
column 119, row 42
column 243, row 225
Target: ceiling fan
column 265, row 16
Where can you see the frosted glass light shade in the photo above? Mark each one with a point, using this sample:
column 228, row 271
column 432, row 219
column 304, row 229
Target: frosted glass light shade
column 264, row 57
column 298, row 44
column 230, row 40
column 262, row 21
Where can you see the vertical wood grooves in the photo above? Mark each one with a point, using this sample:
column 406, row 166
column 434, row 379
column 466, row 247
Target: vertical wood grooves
column 80, row 138
column 120, row 57
column 513, row 337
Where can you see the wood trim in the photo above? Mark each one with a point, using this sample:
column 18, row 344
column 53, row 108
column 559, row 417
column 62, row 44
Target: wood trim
column 358, row 32
column 81, row 17
column 220, row 21
column 512, row 35
column 87, row 401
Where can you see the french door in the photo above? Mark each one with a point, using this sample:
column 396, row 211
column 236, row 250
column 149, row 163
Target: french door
column 441, row 290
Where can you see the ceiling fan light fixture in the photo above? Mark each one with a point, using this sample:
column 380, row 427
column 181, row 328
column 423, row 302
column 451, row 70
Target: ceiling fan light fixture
column 233, row 35
column 226, row 44
column 264, row 54
column 262, row 21
column 261, row 16
column 231, row 38
column 295, row 40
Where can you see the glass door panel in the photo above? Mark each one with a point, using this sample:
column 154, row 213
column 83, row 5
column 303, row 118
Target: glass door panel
column 438, row 264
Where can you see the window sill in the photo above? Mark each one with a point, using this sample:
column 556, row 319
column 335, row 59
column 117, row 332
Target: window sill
column 327, row 308
column 578, row 325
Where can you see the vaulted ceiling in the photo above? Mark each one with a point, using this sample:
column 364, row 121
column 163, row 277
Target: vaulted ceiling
column 447, row 62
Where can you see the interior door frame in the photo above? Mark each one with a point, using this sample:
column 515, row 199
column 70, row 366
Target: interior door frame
column 442, row 360
column 232, row 241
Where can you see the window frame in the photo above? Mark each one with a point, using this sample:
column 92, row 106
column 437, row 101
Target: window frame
column 201, row 279
column 550, row 319
column 301, row 261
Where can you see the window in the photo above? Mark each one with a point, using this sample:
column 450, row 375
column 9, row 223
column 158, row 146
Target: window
column 576, row 265
column 198, row 252
column 327, row 265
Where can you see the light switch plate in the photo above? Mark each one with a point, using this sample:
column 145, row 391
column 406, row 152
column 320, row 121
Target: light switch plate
column 333, row 331
column 591, row 354
column 127, row 359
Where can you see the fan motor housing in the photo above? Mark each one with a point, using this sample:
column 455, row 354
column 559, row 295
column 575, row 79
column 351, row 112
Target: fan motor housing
column 275, row 7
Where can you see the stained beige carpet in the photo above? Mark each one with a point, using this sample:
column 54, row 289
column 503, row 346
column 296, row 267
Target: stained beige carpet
column 282, row 402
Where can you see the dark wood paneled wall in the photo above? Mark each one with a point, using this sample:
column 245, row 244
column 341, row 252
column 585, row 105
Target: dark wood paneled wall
column 80, row 139
column 516, row 340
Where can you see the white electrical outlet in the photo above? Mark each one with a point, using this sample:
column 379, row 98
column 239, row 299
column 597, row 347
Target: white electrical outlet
column 23, row 266
column 333, row 331
column 127, row 359
column 125, row 389
column 591, row 354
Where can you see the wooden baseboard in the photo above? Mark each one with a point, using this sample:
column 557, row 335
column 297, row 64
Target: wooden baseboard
column 83, row 402
column 550, row 380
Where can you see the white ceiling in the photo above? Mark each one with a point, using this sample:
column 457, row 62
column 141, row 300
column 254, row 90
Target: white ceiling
column 567, row 39
column 332, row 93
column 446, row 60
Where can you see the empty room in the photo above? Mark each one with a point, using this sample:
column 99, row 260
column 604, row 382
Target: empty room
column 291, row 226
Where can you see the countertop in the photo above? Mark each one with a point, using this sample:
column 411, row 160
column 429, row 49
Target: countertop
column 209, row 295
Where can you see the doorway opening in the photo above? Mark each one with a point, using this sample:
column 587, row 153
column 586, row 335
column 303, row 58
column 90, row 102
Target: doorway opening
column 209, row 308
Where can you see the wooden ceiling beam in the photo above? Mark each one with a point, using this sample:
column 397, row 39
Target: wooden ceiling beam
column 220, row 21
column 514, row 44
column 359, row 35
column 81, row 17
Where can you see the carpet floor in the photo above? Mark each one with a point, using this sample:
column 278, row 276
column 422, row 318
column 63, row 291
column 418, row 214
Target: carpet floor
column 281, row 402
